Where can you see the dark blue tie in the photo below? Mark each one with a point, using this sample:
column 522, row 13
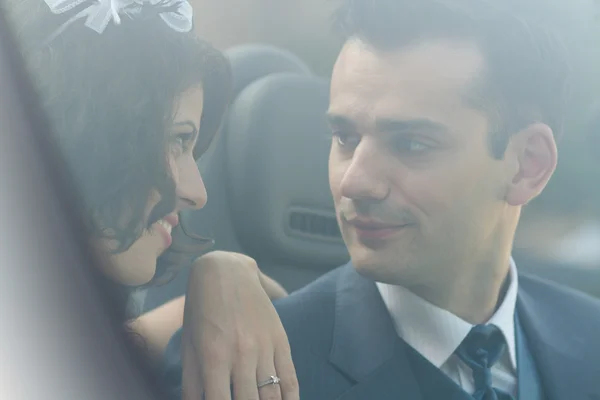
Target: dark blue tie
column 480, row 350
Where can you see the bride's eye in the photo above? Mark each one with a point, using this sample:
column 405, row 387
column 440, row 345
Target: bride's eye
column 181, row 142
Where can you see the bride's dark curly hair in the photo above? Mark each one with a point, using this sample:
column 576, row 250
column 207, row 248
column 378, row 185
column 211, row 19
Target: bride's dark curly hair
column 110, row 98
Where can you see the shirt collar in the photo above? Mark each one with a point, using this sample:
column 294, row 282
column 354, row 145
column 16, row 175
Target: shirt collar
column 437, row 333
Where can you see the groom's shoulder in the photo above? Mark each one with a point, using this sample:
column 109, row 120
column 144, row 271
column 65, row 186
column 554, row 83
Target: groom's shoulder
column 310, row 310
column 560, row 299
column 316, row 294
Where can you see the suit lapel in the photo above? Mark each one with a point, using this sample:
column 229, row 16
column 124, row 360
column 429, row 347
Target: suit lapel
column 392, row 380
column 561, row 348
column 365, row 344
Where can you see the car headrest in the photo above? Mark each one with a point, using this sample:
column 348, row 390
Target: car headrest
column 250, row 62
column 277, row 148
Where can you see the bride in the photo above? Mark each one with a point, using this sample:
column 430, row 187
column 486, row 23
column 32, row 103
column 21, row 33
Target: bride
column 135, row 98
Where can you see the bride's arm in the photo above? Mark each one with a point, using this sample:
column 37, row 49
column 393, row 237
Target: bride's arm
column 158, row 326
column 232, row 334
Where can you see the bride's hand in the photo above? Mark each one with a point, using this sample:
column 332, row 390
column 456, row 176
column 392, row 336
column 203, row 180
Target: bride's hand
column 232, row 336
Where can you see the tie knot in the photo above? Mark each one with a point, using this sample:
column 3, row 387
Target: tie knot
column 480, row 350
column 482, row 347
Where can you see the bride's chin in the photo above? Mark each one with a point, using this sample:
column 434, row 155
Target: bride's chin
column 131, row 275
column 133, row 267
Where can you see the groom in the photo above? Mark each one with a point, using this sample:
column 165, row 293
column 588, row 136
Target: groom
column 444, row 117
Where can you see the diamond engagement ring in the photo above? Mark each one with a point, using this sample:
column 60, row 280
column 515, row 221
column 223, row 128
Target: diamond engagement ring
column 273, row 380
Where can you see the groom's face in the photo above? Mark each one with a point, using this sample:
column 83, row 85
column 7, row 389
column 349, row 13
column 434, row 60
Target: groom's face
column 414, row 183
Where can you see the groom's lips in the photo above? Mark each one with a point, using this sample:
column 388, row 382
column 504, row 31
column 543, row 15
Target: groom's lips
column 369, row 229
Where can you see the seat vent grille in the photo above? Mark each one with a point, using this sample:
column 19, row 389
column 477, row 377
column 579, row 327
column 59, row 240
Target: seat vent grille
column 314, row 224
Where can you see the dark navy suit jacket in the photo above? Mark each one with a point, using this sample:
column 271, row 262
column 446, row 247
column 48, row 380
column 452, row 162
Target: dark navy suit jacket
column 344, row 344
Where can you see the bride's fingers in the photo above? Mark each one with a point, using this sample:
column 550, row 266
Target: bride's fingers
column 216, row 383
column 287, row 372
column 191, row 383
column 216, row 372
column 244, row 377
column 266, row 369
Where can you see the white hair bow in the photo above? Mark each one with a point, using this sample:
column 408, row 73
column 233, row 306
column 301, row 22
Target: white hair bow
column 178, row 14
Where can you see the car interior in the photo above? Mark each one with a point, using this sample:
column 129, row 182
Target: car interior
column 268, row 197
column 266, row 175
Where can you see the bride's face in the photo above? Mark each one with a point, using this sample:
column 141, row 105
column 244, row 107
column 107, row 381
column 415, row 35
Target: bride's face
column 137, row 264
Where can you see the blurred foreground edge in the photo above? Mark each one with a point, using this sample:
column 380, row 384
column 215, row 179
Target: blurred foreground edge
column 58, row 337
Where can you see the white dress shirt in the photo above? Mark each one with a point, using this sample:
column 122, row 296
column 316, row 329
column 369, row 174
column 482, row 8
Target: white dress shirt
column 436, row 333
